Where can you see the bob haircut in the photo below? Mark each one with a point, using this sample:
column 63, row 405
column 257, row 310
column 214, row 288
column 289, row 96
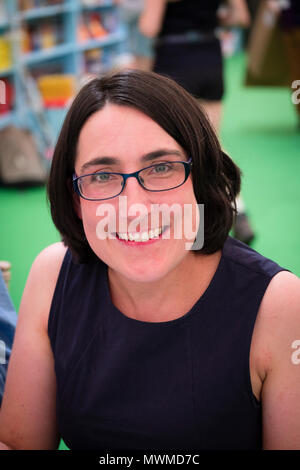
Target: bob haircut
column 216, row 178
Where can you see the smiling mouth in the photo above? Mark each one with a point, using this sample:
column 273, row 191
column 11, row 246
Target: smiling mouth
column 141, row 237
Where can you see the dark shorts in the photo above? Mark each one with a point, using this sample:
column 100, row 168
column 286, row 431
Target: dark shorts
column 198, row 67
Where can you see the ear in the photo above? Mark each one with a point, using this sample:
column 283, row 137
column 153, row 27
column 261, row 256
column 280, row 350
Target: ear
column 75, row 199
column 77, row 206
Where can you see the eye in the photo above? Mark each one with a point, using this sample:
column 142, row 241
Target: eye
column 162, row 168
column 101, row 177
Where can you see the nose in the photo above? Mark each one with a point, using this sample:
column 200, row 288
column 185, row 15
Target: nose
column 134, row 192
column 138, row 204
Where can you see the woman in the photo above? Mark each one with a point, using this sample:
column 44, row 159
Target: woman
column 130, row 344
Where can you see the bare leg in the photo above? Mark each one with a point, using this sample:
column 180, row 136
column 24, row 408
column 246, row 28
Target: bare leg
column 291, row 41
column 144, row 63
column 214, row 112
column 139, row 63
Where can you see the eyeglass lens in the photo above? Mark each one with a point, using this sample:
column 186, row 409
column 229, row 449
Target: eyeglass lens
column 158, row 177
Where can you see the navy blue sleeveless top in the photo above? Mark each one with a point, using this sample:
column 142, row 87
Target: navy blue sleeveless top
column 181, row 384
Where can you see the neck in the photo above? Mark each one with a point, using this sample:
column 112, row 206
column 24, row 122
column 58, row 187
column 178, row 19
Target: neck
column 184, row 285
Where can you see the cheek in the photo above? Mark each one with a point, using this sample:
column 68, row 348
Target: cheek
column 186, row 198
column 191, row 213
column 89, row 218
column 184, row 219
column 94, row 231
column 99, row 220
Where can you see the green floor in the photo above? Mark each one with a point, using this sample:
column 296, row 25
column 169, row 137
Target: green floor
column 259, row 131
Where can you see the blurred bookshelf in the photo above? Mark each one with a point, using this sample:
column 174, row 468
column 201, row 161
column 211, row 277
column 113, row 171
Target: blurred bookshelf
column 48, row 49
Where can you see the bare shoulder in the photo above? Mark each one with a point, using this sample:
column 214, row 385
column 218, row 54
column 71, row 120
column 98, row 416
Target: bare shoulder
column 47, row 264
column 50, row 257
column 276, row 339
column 281, row 302
column 278, row 322
column 41, row 282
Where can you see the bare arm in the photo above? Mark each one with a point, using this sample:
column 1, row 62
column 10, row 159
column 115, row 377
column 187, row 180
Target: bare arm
column 28, row 412
column 281, row 385
column 152, row 17
column 237, row 14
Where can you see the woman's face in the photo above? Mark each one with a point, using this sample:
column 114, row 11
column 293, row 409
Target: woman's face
column 130, row 138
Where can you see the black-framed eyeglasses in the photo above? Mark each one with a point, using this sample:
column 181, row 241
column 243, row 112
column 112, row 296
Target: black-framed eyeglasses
column 103, row 185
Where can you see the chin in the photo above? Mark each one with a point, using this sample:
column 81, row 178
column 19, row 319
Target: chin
column 144, row 275
column 149, row 269
column 140, row 265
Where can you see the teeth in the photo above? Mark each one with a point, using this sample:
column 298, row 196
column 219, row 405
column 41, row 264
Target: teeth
column 123, row 236
column 140, row 237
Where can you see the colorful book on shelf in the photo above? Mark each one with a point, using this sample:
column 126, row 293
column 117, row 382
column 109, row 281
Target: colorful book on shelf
column 44, row 35
column 25, row 5
column 52, row 37
column 8, row 92
column 91, row 27
column 5, row 53
column 56, row 90
column 95, row 26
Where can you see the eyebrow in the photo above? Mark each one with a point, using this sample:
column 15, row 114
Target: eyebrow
column 148, row 157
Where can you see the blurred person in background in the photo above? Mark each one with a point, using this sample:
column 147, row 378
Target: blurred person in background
column 289, row 22
column 139, row 48
column 187, row 40
column 188, row 50
column 253, row 6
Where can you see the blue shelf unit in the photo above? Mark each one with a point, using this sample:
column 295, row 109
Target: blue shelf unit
column 67, row 56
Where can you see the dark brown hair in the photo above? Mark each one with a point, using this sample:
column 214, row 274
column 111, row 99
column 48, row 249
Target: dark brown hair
column 216, row 178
